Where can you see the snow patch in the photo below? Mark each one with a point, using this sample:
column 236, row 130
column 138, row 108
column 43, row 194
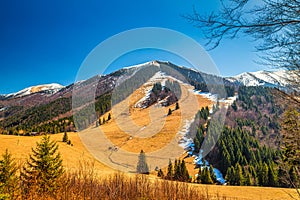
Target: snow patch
column 52, row 88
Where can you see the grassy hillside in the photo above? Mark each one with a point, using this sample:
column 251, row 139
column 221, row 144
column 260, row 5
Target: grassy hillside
column 20, row 147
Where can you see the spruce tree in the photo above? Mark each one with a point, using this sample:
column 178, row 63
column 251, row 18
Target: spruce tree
column 170, row 172
column 160, row 173
column 205, row 177
column 212, row 174
column 8, row 177
column 184, row 174
column 263, row 174
column 176, row 106
column 142, row 166
column 198, row 179
column 248, row 179
column 170, row 111
column 272, row 177
column 65, row 137
column 239, row 178
column 43, row 168
column 177, row 170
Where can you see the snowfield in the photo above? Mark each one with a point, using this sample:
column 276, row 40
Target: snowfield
column 51, row 88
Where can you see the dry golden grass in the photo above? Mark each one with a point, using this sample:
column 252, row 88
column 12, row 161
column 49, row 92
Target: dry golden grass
column 189, row 105
column 250, row 193
column 20, row 148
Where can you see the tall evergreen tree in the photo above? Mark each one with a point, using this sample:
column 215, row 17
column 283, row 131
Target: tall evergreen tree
column 142, row 166
column 65, row 137
column 205, row 177
column 170, row 172
column 169, row 111
column 160, row 173
column 177, row 169
column 248, row 179
column 176, row 106
column 212, row 174
column 8, row 177
column 272, row 177
column 43, row 168
column 263, row 174
column 239, row 178
column 184, row 174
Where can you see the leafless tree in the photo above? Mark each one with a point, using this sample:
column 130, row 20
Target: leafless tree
column 273, row 24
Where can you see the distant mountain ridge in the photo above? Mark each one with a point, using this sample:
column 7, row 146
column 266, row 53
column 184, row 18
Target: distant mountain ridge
column 275, row 79
column 45, row 88
column 278, row 79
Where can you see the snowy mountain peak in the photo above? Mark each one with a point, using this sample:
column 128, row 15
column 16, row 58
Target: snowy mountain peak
column 46, row 88
column 262, row 78
column 154, row 62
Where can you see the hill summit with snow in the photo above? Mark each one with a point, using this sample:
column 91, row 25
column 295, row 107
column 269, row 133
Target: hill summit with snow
column 46, row 88
column 277, row 79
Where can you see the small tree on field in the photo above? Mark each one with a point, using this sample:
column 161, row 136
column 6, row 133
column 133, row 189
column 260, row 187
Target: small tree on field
column 205, row 177
column 176, row 106
column 8, row 177
column 43, row 168
column 142, row 166
column 65, row 137
column 170, row 111
column 170, row 172
column 160, row 173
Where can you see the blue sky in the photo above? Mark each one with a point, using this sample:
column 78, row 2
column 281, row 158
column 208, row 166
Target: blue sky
column 46, row 41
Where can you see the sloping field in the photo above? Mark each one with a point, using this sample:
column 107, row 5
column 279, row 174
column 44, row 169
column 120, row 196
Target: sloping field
column 20, row 147
column 118, row 142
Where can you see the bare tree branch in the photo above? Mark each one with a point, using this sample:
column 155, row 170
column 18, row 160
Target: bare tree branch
column 274, row 24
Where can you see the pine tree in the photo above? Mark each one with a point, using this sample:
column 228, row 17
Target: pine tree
column 170, row 111
column 43, row 168
column 205, row 177
column 177, row 170
column 170, row 172
column 263, row 174
column 239, row 178
column 272, row 177
column 142, row 166
column 160, row 173
column 212, row 174
column 230, row 175
column 65, row 137
column 176, row 106
column 8, row 177
column 248, row 179
column 254, row 175
column 184, row 174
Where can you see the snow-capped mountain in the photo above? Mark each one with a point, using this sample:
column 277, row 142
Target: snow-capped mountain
column 46, row 88
column 262, row 78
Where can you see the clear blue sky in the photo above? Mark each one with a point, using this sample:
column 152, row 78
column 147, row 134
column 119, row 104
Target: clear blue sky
column 46, row 41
